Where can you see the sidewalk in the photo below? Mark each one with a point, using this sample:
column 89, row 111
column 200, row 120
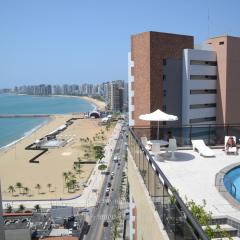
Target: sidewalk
column 88, row 198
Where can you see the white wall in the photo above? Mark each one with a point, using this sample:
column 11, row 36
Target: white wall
column 130, row 92
column 201, row 84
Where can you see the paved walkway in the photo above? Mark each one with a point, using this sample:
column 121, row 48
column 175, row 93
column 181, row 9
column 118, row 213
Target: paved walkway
column 194, row 177
column 95, row 181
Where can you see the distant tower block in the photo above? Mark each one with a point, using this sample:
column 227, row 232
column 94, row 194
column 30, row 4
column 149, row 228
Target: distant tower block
column 2, row 233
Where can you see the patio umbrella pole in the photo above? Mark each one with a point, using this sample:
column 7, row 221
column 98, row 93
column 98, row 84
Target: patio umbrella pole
column 158, row 131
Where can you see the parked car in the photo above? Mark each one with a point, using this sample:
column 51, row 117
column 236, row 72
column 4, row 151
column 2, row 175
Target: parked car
column 83, row 210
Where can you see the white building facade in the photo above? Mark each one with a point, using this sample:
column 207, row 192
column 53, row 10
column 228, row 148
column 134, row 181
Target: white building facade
column 130, row 91
column 199, row 84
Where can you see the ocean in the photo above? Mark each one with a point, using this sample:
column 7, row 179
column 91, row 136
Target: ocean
column 13, row 129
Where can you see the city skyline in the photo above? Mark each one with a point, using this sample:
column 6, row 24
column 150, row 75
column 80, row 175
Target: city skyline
column 56, row 42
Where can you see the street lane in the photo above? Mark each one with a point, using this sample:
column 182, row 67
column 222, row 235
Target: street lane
column 106, row 204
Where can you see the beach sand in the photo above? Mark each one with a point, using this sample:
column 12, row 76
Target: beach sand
column 99, row 104
column 15, row 166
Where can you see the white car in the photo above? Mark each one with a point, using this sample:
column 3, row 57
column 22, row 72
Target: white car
column 107, row 189
column 112, row 174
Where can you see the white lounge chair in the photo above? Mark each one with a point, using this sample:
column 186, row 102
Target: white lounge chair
column 155, row 148
column 202, row 148
column 145, row 144
column 172, row 147
column 230, row 149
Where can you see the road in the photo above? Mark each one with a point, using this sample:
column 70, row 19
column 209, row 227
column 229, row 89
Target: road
column 106, row 204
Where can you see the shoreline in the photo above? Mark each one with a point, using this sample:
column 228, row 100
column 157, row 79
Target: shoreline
column 26, row 134
column 60, row 159
column 96, row 104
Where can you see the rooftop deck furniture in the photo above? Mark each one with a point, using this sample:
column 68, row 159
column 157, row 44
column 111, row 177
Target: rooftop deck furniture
column 145, row 143
column 172, row 147
column 230, row 149
column 202, row 148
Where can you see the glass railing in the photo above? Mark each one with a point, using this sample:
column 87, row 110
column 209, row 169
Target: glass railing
column 213, row 135
column 177, row 219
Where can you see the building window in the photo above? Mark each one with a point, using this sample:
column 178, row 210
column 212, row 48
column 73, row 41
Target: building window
column 164, row 93
column 164, row 77
column 164, row 62
column 203, row 77
column 164, row 108
column 202, row 120
column 221, row 43
column 203, row 91
column 207, row 105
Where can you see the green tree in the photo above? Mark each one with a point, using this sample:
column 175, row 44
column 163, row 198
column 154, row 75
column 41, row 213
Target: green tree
column 11, row 189
column 21, row 208
column 37, row 207
column 68, row 185
column 19, row 186
column 49, row 185
column 116, row 222
column 102, row 167
column 99, row 152
column 38, row 187
column 26, row 190
column 65, row 175
column 9, row 209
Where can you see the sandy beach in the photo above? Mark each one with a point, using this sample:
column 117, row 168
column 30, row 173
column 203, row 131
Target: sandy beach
column 99, row 104
column 15, row 166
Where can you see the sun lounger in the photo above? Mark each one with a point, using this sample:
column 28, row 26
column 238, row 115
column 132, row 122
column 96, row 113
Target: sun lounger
column 202, row 148
column 230, row 149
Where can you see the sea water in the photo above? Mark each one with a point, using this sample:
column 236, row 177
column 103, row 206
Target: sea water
column 13, row 129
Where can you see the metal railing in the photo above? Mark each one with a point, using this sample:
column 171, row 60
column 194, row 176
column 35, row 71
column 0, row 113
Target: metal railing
column 178, row 221
column 212, row 134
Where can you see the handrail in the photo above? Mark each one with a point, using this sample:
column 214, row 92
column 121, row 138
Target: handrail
column 180, row 202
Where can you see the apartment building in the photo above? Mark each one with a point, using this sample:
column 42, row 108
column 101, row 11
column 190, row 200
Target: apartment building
column 115, row 95
column 200, row 86
column 150, row 51
column 199, row 83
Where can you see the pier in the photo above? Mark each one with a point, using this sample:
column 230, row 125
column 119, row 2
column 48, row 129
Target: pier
column 24, row 115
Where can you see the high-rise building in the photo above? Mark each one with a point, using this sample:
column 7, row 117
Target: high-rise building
column 149, row 53
column 200, row 86
column 115, row 95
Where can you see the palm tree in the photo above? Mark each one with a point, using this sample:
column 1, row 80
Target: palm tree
column 26, row 190
column 37, row 207
column 21, row 207
column 65, row 175
column 9, row 209
column 38, row 187
column 49, row 185
column 68, row 185
column 11, row 189
column 19, row 186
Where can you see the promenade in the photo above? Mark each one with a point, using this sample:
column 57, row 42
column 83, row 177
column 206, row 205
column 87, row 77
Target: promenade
column 89, row 197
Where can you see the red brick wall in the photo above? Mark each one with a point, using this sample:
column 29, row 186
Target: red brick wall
column 148, row 51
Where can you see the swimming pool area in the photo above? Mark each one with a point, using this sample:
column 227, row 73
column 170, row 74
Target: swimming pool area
column 232, row 182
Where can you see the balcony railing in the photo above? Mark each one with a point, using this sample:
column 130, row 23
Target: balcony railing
column 212, row 134
column 178, row 221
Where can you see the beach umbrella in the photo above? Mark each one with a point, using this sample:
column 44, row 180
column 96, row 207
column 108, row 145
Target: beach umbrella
column 158, row 116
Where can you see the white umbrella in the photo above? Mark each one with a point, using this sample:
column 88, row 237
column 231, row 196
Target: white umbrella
column 158, row 116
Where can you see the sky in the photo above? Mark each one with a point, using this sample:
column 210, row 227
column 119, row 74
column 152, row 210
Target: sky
column 87, row 41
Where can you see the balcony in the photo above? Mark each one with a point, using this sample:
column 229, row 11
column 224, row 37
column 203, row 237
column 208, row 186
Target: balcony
column 176, row 218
